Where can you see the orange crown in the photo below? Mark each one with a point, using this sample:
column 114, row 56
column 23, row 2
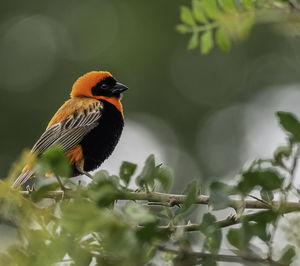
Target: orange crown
column 83, row 85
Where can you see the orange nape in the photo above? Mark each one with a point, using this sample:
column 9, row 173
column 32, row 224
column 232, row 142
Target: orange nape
column 83, row 85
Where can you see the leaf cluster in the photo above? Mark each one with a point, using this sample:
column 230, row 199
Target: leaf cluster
column 108, row 223
column 222, row 22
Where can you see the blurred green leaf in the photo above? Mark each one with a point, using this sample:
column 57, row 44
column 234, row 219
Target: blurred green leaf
column 186, row 16
column 54, row 160
column 182, row 28
column 256, row 226
column 211, row 8
column 219, row 195
column 233, row 237
column 266, row 195
column 198, row 11
column 147, row 175
column 290, row 123
column 194, row 41
column 280, row 152
column 246, row 23
column 236, row 237
column 139, row 214
column 209, row 261
column 127, row 170
column 207, row 42
column 212, row 232
column 104, row 189
column 268, row 179
column 228, row 5
column 192, row 193
column 259, row 230
column 248, row 4
column 265, row 217
column 288, row 254
column 39, row 194
column 223, row 40
column 165, row 176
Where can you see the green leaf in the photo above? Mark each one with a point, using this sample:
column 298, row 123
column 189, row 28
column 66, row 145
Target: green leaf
column 194, row 41
column 267, row 179
column 233, row 237
column 259, row 229
column 165, row 176
column 281, row 152
column 223, row 40
column 266, row 195
column 181, row 28
column 147, row 175
column 186, row 16
column 139, row 214
column 265, row 217
column 248, row 4
column 288, row 254
column 54, row 160
column 198, row 11
column 211, row 8
column 257, row 226
column 240, row 237
column 104, row 189
column 246, row 24
column 219, row 195
column 209, row 261
column 39, row 194
column 290, row 123
column 126, row 171
column 212, row 232
column 191, row 195
column 207, row 42
column 228, row 5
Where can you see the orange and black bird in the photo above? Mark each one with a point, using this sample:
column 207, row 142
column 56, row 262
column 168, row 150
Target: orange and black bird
column 87, row 126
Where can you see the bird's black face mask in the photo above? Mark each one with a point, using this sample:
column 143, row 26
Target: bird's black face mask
column 109, row 87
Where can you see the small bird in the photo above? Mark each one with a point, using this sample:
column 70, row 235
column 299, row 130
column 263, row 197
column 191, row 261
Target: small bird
column 87, row 127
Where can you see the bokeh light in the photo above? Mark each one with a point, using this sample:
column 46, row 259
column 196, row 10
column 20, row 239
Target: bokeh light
column 28, row 49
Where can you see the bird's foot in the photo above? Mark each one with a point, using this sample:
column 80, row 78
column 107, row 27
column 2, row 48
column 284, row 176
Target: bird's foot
column 81, row 171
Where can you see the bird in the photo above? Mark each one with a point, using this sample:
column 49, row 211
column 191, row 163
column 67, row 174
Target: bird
column 87, row 127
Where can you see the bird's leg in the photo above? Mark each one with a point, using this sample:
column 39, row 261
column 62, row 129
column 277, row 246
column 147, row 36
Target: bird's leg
column 81, row 171
column 62, row 187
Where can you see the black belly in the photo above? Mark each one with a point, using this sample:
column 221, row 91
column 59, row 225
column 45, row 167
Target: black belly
column 98, row 144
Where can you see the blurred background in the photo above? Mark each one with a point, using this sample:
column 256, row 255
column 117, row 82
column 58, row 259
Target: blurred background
column 204, row 116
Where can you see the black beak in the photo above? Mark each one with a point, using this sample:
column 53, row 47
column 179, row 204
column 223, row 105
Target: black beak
column 119, row 87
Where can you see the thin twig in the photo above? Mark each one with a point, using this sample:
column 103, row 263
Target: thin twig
column 262, row 201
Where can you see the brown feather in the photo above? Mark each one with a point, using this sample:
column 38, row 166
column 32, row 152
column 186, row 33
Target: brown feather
column 73, row 106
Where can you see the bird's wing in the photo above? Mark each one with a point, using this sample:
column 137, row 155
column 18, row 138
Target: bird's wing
column 67, row 133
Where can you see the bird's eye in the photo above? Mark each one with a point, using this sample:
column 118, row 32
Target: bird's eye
column 104, row 86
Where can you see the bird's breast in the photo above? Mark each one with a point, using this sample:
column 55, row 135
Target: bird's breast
column 100, row 142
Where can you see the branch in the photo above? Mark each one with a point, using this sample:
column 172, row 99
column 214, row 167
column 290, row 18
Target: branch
column 175, row 200
column 170, row 200
column 230, row 220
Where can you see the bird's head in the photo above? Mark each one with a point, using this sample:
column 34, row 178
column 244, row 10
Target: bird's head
column 97, row 84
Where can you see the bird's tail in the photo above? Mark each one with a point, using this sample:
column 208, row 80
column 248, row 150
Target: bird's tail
column 22, row 178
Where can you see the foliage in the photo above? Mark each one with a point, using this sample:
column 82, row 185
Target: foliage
column 108, row 223
column 225, row 21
